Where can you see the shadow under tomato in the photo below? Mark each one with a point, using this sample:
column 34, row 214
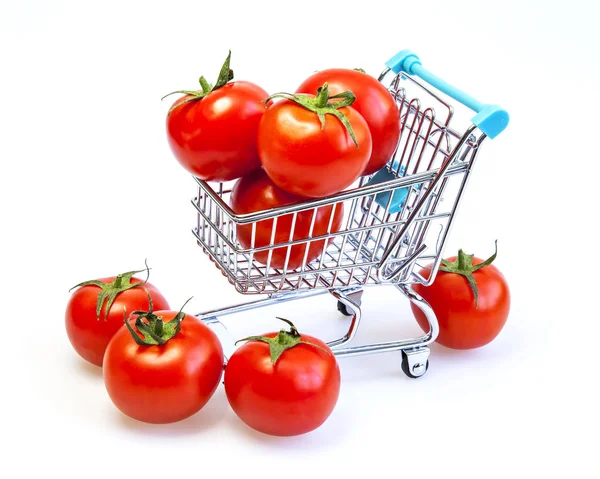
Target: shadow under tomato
column 329, row 434
column 89, row 369
column 443, row 351
column 208, row 417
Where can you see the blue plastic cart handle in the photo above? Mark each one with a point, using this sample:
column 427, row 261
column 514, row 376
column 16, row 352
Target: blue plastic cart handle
column 491, row 119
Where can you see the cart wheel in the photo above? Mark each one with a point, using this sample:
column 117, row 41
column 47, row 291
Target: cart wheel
column 413, row 374
column 342, row 309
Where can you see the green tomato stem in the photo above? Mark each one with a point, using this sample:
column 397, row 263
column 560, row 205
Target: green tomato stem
column 282, row 342
column 225, row 76
column 464, row 266
column 109, row 291
column 322, row 105
column 152, row 327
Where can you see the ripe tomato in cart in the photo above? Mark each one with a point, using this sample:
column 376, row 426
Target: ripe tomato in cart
column 283, row 384
column 256, row 192
column 373, row 101
column 162, row 366
column 470, row 298
column 212, row 132
column 94, row 312
column 313, row 146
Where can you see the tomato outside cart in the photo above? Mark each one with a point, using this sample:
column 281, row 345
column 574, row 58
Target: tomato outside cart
column 393, row 220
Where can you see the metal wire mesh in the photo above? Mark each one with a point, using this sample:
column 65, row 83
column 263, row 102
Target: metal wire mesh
column 352, row 231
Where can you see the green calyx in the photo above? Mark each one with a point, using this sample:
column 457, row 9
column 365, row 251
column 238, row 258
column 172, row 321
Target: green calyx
column 463, row 265
column 225, row 75
column 322, row 105
column 152, row 327
column 109, row 291
column 283, row 341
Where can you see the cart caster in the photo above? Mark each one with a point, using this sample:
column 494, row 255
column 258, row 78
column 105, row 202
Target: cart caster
column 415, row 363
column 342, row 309
column 355, row 295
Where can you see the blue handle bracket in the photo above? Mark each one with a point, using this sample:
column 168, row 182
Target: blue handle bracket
column 491, row 119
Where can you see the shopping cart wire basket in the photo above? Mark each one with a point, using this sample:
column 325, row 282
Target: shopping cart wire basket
column 390, row 220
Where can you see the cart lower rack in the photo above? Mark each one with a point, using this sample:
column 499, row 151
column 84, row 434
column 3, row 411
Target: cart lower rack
column 391, row 220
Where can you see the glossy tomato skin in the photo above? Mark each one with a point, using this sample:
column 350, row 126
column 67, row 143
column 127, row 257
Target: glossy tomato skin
column 305, row 159
column 292, row 397
column 257, row 192
column 167, row 383
column 462, row 326
column 373, row 101
column 89, row 335
column 215, row 138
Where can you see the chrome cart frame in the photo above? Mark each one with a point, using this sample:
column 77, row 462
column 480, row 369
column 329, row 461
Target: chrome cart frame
column 392, row 220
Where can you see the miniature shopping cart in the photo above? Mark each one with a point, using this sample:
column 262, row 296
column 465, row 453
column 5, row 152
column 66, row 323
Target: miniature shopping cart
column 393, row 219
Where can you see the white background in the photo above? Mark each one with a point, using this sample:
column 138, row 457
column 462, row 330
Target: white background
column 89, row 188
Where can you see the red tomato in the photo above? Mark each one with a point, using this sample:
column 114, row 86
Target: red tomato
column 212, row 132
column 168, row 382
column 373, row 101
column 306, row 158
column 257, row 192
column 215, row 138
column 291, row 397
column 89, row 334
column 465, row 324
